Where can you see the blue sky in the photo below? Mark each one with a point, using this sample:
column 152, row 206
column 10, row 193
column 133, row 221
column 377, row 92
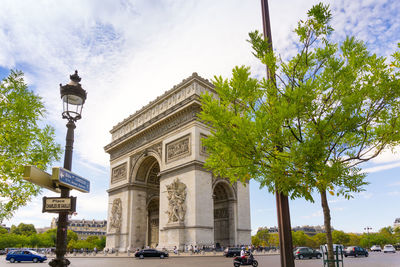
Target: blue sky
column 130, row 52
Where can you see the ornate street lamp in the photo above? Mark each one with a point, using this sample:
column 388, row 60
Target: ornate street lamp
column 73, row 97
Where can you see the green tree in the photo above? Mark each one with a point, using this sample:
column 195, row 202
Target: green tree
column 22, row 142
column 325, row 110
column 319, row 239
column 299, row 239
column 354, row 240
column 255, row 241
column 3, row 230
column 23, row 229
column 263, row 235
column 340, row 237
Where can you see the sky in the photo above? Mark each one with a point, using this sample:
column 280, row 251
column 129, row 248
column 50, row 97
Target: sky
column 129, row 52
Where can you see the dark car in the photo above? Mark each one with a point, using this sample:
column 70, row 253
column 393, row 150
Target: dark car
column 232, row 252
column 25, row 255
column 151, row 253
column 355, row 251
column 306, row 252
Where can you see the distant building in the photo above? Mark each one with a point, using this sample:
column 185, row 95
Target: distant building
column 396, row 223
column 42, row 230
column 308, row 230
column 85, row 228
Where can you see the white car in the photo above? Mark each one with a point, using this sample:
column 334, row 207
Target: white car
column 376, row 248
column 389, row 248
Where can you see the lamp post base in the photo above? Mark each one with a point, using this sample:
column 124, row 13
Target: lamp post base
column 56, row 262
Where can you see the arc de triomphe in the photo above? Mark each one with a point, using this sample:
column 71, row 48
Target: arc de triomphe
column 159, row 193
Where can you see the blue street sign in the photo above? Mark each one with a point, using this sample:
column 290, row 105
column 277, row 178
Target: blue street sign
column 71, row 180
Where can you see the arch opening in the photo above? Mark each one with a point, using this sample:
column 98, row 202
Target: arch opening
column 223, row 215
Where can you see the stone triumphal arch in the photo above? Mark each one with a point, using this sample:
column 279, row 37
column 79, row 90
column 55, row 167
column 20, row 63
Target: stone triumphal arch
column 159, row 193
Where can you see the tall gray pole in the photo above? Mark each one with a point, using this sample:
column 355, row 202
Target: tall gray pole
column 282, row 201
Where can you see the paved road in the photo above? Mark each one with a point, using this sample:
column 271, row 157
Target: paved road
column 374, row 260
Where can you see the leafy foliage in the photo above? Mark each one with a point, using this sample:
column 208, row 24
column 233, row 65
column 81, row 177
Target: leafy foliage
column 384, row 236
column 329, row 108
column 23, row 229
column 29, row 239
column 22, row 142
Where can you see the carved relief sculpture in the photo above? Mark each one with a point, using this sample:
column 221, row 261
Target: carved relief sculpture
column 176, row 201
column 178, row 149
column 116, row 215
column 118, row 173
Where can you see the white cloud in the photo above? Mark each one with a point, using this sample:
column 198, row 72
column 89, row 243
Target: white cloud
column 381, row 167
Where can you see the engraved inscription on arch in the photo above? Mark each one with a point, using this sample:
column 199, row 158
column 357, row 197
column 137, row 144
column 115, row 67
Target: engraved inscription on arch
column 178, row 149
column 118, row 173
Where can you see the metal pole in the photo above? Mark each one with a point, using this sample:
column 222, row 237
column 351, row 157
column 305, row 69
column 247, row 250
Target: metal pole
column 62, row 226
column 282, row 201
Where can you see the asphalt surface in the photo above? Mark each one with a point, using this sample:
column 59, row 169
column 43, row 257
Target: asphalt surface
column 376, row 259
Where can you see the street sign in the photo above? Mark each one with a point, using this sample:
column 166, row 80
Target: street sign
column 71, row 180
column 41, row 178
column 59, row 204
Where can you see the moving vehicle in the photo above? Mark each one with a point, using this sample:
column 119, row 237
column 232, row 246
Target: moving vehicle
column 306, row 252
column 376, row 248
column 25, row 255
column 150, row 253
column 355, row 251
column 250, row 261
column 231, row 252
column 388, row 248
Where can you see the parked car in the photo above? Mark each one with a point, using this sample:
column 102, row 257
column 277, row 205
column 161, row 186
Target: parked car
column 25, row 255
column 151, row 253
column 355, row 251
column 232, row 252
column 388, row 248
column 2, row 252
column 306, row 252
column 376, row 248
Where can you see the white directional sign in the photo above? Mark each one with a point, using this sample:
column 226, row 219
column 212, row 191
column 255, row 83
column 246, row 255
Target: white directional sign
column 71, row 180
column 59, row 204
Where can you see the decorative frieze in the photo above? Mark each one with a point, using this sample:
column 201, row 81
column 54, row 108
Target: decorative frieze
column 178, row 149
column 118, row 173
column 157, row 131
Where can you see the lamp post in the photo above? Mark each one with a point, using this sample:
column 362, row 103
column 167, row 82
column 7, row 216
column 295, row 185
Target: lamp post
column 73, row 97
column 367, row 229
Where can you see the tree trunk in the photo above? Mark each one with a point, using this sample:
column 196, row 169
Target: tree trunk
column 328, row 229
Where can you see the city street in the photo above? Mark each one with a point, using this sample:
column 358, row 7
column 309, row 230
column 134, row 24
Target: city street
column 374, row 260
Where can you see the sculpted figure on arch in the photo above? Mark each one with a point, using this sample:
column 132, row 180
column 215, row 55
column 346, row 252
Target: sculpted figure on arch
column 176, row 201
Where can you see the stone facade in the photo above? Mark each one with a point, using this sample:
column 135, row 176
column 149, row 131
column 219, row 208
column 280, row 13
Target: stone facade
column 84, row 228
column 159, row 193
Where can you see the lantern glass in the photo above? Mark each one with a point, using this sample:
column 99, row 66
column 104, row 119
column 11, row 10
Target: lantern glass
column 72, row 107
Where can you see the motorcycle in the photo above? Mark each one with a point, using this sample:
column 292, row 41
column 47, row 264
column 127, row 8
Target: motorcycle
column 237, row 261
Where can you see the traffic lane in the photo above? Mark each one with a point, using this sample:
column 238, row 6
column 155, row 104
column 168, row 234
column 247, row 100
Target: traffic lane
column 374, row 260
